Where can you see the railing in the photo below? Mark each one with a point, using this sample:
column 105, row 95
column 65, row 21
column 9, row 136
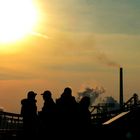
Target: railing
column 104, row 114
column 131, row 103
column 99, row 118
column 10, row 124
column 102, row 107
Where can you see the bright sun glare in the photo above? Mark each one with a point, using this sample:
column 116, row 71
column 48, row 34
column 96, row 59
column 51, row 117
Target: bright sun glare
column 17, row 19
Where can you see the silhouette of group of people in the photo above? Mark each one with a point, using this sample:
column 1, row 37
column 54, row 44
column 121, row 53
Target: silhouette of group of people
column 63, row 117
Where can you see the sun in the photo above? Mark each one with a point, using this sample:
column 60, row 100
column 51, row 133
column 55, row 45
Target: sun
column 17, row 19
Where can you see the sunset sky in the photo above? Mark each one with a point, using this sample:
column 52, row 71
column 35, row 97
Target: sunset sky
column 76, row 43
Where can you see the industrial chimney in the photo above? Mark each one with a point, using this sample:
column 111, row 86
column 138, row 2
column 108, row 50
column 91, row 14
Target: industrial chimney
column 121, row 87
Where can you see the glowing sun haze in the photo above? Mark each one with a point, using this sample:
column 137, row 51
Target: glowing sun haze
column 17, row 19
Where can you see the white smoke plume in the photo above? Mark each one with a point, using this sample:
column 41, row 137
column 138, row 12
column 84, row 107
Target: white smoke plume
column 113, row 104
column 93, row 93
column 96, row 98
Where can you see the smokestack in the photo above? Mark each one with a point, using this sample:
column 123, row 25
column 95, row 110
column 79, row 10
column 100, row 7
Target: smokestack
column 121, row 87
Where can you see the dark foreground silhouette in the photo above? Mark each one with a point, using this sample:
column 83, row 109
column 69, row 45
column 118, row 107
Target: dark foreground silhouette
column 66, row 118
column 63, row 118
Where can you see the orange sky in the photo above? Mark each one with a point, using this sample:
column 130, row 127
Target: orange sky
column 77, row 47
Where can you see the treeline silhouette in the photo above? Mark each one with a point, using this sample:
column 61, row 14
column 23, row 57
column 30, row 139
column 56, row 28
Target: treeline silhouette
column 64, row 118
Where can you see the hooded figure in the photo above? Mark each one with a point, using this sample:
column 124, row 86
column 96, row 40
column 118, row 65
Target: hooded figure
column 29, row 113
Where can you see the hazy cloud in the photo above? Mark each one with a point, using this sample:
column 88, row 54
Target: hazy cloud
column 99, row 16
column 105, row 60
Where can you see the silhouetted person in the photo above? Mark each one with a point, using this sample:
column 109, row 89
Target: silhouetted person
column 67, row 107
column 136, row 99
column 29, row 113
column 135, row 118
column 48, row 115
column 84, row 121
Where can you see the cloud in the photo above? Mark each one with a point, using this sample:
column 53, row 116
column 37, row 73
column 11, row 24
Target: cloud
column 40, row 35
column 68, row 53
column 93, row 93
column 105, row 60
column 96, row 16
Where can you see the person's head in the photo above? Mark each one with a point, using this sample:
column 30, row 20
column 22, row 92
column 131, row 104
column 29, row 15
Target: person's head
column 47, row 94
column 85, row 101
column 67, row 91
column 31, row 95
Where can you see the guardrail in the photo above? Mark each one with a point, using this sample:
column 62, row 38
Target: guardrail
column 11, row 124
column 103, row 114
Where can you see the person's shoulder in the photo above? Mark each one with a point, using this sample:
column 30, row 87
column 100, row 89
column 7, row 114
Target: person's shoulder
column 23, row 101
column 58, row 101
column 73, row 98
